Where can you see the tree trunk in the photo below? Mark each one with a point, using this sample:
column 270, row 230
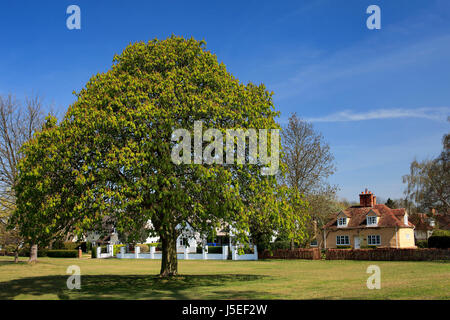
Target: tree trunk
column 33, row 254
column 169, row 263
column 16, row 255
column 292, row 244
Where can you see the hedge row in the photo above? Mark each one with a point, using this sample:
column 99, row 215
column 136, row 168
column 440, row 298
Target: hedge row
column 62, row 253
column 440, row 242
column 388, row 254
column 44, row 253
column 298, row 253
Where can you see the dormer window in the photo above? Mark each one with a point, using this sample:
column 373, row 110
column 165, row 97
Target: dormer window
column 372, row 220
column 342, row 222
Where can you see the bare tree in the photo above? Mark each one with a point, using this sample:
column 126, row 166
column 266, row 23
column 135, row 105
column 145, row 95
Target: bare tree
column 428, row 183
column 18, row 123
column 309, row 163
column 307, row 156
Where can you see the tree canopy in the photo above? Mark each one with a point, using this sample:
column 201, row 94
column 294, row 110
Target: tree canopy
column 110, row 157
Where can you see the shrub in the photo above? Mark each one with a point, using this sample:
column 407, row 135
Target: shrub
column 144, row 248
column 214, row 249
column 116, row 248
column 88, row 247
column 154, row 244
column 280, row 245
column 343, row 247
column 25, row 252
column 62, row 253
column 93, row 252
column 441, row 233
column 440, row 242
column 69, row 245
column 249, row 250
column 58, row 245
column 422, row 244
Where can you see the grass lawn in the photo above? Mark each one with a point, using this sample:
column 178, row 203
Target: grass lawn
column 264, row 279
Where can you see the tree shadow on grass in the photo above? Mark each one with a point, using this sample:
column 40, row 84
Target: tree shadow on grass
column 122, row 286
column 11, row 263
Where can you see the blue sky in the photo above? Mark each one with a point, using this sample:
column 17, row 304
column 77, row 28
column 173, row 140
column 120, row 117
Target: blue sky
column 379, row 97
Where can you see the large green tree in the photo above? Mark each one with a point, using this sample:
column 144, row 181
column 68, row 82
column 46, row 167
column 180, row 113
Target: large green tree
column 111, row 154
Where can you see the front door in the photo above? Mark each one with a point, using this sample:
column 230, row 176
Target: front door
column 357, row 245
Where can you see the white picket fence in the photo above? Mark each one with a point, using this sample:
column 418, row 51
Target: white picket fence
column 189, row 256
column 109, row 252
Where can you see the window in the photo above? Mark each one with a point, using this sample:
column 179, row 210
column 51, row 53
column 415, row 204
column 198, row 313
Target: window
column 313, row 243
column 374, row 240
column 342, row 240
column 372, row 221
column 342, row 221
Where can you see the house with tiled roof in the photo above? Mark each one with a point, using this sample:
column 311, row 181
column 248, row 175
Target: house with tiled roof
column 424, row 226
column 369, row 225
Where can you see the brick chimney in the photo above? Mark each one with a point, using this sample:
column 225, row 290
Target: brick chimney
column 367, row 199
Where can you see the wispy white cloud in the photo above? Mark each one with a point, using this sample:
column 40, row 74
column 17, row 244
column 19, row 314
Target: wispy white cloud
column 359, row 60
column 436, row 114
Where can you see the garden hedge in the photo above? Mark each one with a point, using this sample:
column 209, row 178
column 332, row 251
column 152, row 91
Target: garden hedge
column 62, row 253
column 440, row 242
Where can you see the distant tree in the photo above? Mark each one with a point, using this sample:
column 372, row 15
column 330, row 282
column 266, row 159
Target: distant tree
column 309, row 163
column 18, row 123
column 43, row 190
column 428, row 183
column 277, row 211
column 307, row 156
column 323, row 203
column 390, row 203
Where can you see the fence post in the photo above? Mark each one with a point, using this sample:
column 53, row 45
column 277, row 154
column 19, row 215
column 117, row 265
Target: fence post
column 122, row 252
column 255, row 252
column 99, row 252
column 186, row 254
column 205, row 252
column 110, row 249
column 224, row 252
column 233, row 253
column 152, row 252
column 137, row 250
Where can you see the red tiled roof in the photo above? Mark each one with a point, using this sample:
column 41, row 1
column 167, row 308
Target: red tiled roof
column 388, row 217
column 420, row 221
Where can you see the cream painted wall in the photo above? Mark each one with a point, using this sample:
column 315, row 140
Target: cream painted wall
column 387, row 235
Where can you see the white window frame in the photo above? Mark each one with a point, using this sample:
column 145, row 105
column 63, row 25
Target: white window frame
column 342, row 240
column 368, row 220
column 339, row 220
column 371, row 238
